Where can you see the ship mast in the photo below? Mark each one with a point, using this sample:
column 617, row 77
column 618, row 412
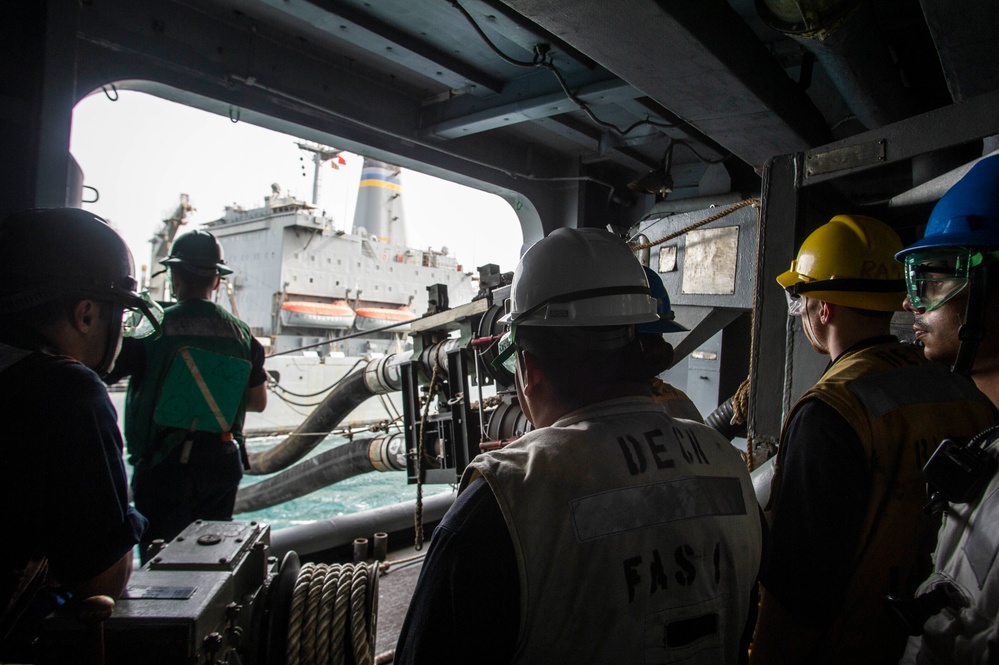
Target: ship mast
column 320, row 154
column 161, row 243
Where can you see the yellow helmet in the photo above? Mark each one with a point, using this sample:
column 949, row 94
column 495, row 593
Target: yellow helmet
column 850, row 261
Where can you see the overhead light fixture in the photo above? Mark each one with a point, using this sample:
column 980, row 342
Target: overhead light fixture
column 658, row 181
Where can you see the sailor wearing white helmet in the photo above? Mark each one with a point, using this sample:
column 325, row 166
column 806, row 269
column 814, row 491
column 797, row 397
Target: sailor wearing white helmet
column 610, row 533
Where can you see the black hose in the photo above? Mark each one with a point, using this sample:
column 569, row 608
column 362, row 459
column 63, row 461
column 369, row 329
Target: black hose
column 343, row 399
column 325, row 469
column 721, row 420
column 326, row 534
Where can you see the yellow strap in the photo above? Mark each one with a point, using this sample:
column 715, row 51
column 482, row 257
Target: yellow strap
column 203, row 387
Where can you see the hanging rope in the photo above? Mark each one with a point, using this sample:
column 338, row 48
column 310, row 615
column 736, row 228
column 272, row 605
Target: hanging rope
column 740, row 405
column 328, row 602
column 418, row 517
column 727, row 211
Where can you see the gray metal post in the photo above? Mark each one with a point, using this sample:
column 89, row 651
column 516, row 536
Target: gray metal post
column 776, row 249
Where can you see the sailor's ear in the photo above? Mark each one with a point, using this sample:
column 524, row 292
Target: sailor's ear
column 86, row 314
column 827, row 311
column 530, row 371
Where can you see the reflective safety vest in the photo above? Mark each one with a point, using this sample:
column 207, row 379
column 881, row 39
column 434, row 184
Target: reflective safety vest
column 195, row 380
column 967, row 566
column 901, row 407
column 637, row 536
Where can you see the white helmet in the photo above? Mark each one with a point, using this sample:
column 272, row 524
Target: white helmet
column 580, row 277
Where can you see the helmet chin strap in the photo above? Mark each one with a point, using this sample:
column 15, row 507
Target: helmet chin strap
column 111, row 343
column 972, row 331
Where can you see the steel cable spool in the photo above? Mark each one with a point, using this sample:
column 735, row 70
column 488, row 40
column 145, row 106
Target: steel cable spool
column 333, row 614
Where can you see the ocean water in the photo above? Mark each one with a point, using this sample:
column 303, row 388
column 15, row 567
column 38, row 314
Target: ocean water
column 370, row 490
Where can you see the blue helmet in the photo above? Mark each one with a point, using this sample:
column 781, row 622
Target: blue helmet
column 967, row 215
column 665, row 324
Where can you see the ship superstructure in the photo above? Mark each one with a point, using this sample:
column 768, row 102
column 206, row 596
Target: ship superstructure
column 299, row 281
column 323, row 299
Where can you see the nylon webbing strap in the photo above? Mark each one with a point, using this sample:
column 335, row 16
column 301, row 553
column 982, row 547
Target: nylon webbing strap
column 852, row 285
column 203, row 387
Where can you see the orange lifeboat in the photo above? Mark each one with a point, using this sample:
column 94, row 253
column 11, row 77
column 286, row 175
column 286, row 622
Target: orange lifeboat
column 369, row 318
column 335, row 315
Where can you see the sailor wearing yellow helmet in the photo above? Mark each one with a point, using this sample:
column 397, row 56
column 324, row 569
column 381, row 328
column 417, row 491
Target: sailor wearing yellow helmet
column 848, row 493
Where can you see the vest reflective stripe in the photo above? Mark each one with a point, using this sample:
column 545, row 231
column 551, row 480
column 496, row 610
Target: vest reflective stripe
column 645, row 506
column 637, row 536
column 901, row 406
column 198, row 324
column 202, row 391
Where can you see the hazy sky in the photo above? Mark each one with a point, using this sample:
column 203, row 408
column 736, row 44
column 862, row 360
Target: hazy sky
column 142, row 152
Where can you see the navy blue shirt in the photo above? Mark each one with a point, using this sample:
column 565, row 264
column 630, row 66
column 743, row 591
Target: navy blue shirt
column 466, row 607
column 824, row 487
column 63, row 491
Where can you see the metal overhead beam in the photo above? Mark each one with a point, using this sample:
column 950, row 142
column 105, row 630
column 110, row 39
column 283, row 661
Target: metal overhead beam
column 698, row 59
column 934, row 130
column 964, row 34
column 341, row 21
column 513, row 106
column 276, row 90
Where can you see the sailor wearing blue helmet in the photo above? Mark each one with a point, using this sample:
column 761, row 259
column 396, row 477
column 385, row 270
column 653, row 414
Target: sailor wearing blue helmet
column 677, row 403
column 953, row 294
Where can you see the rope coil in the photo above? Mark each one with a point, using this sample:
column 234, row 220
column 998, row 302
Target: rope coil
column 328, row 603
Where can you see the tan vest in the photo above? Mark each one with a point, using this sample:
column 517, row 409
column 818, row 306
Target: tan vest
column 637, row 537
column 676, row 402
column 901, row 407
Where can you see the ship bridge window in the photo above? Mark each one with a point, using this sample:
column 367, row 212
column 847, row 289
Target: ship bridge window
column 367, row 250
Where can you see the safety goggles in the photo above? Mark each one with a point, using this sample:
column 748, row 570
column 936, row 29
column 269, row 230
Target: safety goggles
column 142, row 317
column 795, row 303
column 933, row 277
column 506, row 356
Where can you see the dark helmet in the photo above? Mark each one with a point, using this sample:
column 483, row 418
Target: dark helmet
column 198, row 250
column 52, row 252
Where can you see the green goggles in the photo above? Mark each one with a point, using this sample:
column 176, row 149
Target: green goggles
column 933, row 277
column 506, row 356
column 142, row 317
